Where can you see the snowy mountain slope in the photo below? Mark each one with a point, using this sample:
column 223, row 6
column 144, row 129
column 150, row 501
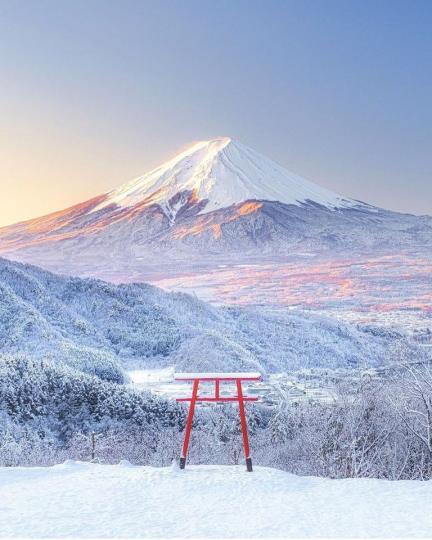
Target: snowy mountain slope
column 77, row 500
column 101, row 328
column 217, row 199
column 221, row 172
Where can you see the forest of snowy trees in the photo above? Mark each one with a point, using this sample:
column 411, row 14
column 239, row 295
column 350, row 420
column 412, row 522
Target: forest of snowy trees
column 374, row 428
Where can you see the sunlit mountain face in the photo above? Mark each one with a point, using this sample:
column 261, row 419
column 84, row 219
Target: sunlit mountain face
column 237, row 227
column 197, row 192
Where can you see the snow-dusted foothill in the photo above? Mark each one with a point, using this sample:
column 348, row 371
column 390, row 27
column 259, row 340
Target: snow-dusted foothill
column 104, row 329
column 81, row 500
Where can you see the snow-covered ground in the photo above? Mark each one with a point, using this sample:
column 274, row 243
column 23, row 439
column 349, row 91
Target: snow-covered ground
column 159, row 381
column 78, row 499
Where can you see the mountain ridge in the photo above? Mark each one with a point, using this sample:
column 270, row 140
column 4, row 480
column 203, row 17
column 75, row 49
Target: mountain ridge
column 102, row 329
column 217, row 198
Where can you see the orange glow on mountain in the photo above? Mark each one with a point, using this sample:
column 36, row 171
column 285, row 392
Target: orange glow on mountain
column 214, row 222
column 249, row 208
column 204, row 224
column 62, row 225
column 217, row 231
column 53, row 227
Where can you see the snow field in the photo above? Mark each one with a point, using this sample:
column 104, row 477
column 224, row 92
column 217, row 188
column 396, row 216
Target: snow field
column 79, row 499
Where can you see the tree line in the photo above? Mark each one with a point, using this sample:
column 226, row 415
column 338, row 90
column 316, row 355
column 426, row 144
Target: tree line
column 375, row 428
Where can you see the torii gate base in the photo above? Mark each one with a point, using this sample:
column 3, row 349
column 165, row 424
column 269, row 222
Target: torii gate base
column 240, row 398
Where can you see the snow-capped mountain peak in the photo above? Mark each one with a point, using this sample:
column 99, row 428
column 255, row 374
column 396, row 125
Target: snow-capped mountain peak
column 221, row 172
column 215, row 199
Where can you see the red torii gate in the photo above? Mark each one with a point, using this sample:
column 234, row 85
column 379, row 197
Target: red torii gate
column 217, row 378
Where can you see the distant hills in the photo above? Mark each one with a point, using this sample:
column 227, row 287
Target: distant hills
column 105, row 329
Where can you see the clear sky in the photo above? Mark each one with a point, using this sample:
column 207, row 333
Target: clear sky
column 94, row 93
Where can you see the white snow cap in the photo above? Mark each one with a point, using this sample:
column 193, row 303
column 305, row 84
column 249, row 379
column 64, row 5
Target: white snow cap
column 224, row 172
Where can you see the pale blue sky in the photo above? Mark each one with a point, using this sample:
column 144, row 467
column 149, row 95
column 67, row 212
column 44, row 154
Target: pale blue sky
column 94, row 93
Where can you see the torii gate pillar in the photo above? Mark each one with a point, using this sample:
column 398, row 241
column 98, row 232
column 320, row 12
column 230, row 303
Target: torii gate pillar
column 217, row 378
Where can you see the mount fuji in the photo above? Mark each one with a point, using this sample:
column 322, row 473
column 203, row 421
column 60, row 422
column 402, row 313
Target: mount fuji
column 217, row 174
column 217, row 199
